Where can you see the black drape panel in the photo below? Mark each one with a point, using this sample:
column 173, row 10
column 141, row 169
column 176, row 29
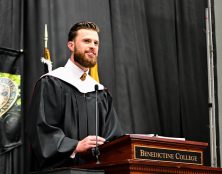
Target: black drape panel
column 192, row 65
column 152, row 58
column 161, row 66
column 136, row 93
column 11, row 24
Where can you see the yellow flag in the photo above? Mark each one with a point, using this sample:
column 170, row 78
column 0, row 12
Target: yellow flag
column 47, row 54
column 47, row 61
column 94, row 73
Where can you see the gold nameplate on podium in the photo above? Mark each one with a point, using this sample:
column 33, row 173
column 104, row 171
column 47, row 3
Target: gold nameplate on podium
column 170, row 155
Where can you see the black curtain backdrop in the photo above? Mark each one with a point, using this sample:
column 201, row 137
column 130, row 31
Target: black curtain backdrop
column 152, row 58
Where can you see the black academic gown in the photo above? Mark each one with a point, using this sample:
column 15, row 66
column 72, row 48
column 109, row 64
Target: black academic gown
column 60, row 116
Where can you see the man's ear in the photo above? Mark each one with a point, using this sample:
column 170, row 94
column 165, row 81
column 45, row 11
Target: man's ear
column 71, row 45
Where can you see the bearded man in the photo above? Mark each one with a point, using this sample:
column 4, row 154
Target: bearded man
column 62, row 117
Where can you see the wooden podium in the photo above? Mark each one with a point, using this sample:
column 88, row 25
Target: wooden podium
column 139, row 154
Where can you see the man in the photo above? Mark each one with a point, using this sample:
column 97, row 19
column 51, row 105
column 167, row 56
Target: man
column 63, row 110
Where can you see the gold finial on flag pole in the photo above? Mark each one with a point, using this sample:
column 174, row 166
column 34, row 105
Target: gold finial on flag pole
column 46, row 59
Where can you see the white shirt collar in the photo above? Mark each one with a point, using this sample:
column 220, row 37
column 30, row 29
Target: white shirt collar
column 71, row 74
column 76, row 71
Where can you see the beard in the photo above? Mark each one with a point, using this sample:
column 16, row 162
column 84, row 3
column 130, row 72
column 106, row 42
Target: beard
column 83, row 60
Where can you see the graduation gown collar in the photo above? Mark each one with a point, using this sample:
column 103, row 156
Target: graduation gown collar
column 71, row 74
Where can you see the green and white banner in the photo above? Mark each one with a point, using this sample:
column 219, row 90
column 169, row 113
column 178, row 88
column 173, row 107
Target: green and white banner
column 10, row 102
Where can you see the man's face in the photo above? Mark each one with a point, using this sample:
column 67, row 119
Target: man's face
column 86, row 46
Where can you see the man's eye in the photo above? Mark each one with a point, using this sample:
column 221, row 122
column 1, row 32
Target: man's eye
column 86, row 41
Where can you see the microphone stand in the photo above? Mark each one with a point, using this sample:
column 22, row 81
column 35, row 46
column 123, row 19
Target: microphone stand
column 95, row 150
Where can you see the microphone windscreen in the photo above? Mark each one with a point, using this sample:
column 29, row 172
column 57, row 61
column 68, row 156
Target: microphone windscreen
column 96, row 87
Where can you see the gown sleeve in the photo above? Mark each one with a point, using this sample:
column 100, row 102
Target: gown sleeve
column 49, row 143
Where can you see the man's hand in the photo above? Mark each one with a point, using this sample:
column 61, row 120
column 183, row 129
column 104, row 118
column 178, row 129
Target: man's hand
column 88, row 143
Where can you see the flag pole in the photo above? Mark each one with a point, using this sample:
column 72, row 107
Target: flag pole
column 46, row 59
column 211, row 87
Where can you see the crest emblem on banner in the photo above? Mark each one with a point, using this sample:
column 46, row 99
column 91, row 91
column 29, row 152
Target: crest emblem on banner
column 8, row 94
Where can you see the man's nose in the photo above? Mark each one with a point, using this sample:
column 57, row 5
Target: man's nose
column 93, row 45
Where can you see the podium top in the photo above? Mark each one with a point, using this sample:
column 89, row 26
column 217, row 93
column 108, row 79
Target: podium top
column 156, row 139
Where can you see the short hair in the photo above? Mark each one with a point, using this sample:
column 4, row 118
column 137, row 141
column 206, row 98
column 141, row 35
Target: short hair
column 81, row 25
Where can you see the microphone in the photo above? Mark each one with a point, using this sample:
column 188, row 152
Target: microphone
column 95, row 150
